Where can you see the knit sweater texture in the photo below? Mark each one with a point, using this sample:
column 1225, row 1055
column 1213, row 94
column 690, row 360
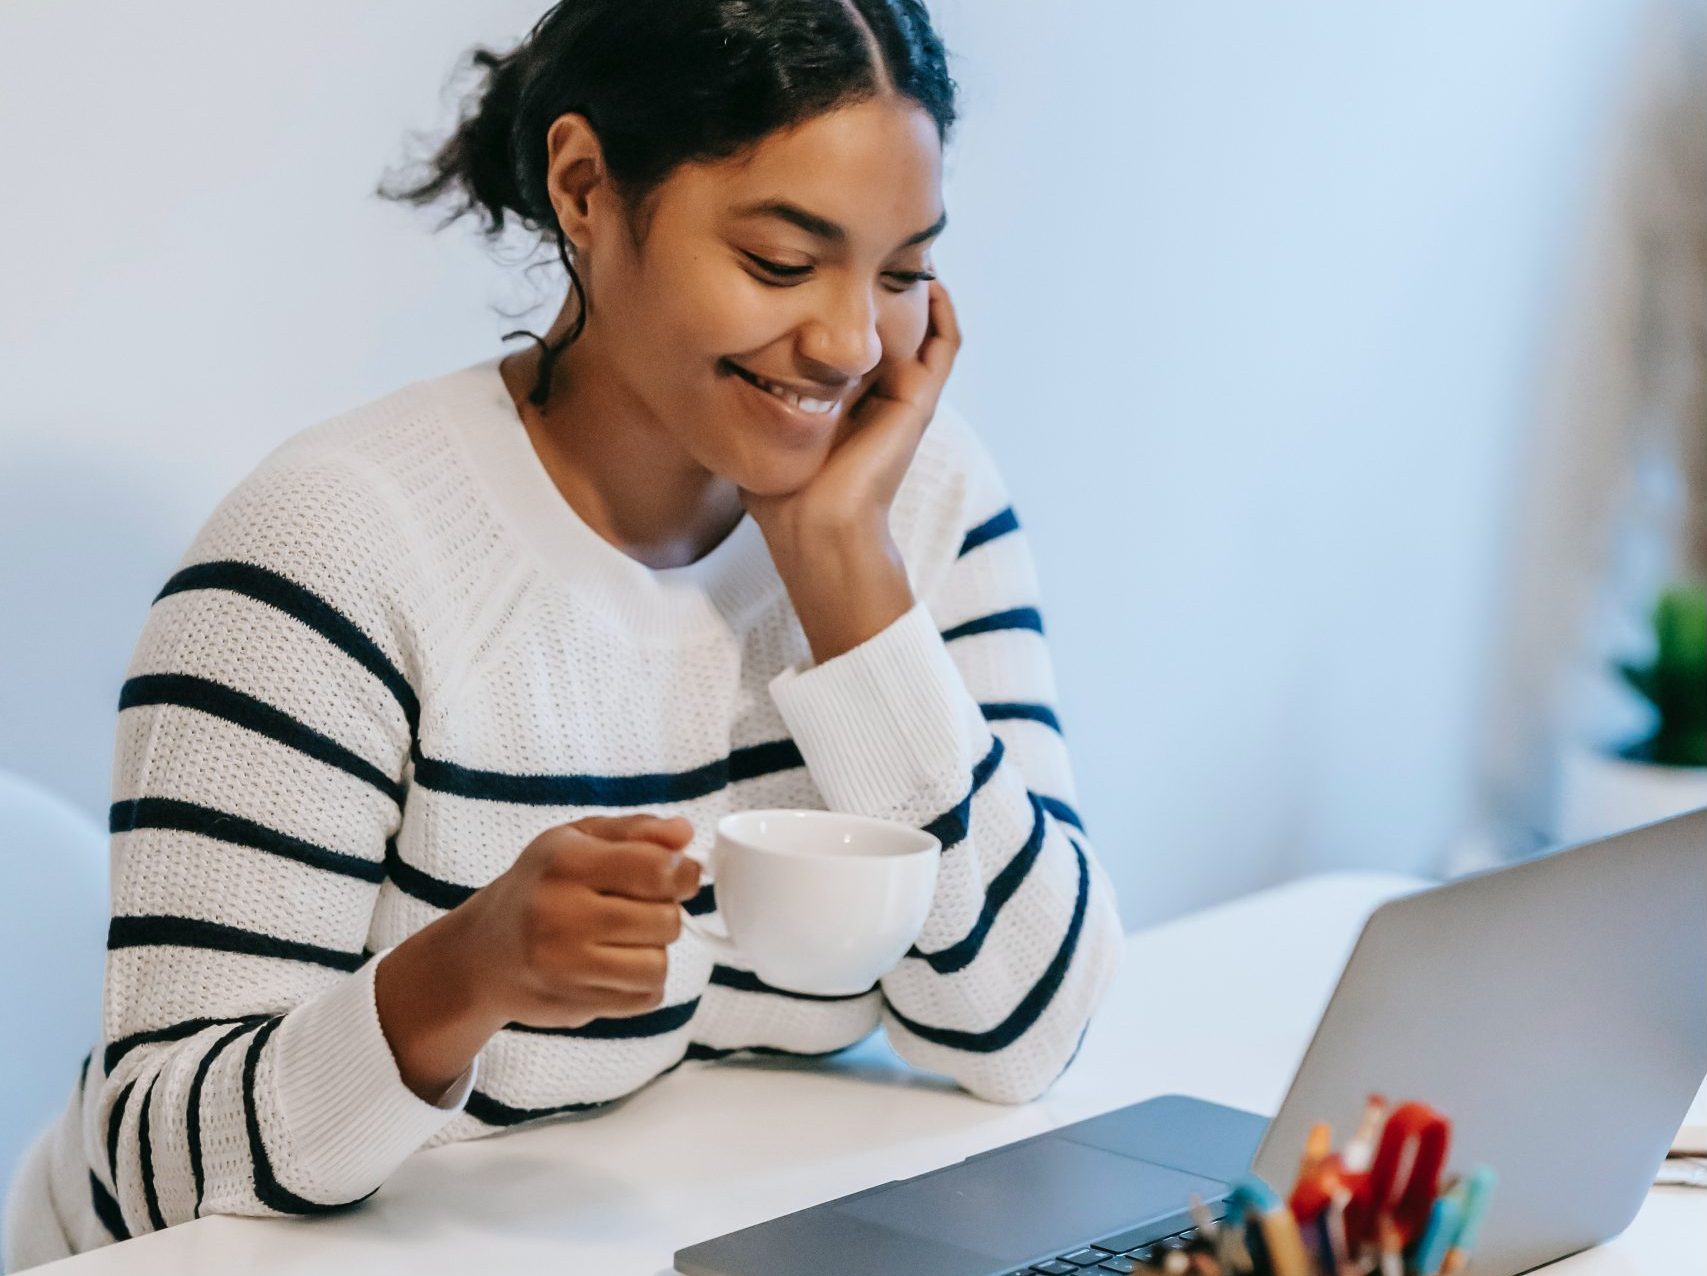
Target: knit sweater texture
column 393, row 656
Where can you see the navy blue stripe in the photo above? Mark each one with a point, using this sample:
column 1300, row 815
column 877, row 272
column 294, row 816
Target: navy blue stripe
column 959, row 955
column 302, row 604
column 747, row 981
column 187, row 691
column 192, row 932
column 115, row 1118
column 697, row 1052
column 746, row 763
column 447, row 895
column 193, row 1108
column 704, row 902
column 1032, row 1005
column 653, row 1023
column 420, row 885
column 951, row 826
column 83, row 1073
column 486, row 1109
column 268, row 1190
column 751, row 761
column 193, row 817
column 999, row 524
column 117, row 1050
column 145, row 1158
column 107, row 1210
column 489, row 1111
column 267, row 586
column 996, row 711
column 1061, row 811
column 1015, row 618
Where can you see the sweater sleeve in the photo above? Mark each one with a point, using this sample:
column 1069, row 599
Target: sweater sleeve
column 946, row 719
column 264, row 732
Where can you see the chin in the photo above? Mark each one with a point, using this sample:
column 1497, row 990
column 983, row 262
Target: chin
column 779, row 475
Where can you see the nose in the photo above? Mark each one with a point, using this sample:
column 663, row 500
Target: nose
column 842, row 334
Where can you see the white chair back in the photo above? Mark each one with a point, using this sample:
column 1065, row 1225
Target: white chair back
column 53, row 924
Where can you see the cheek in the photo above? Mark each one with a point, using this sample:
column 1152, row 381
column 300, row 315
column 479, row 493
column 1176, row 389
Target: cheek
column 741, row 319
column 716, row 317
column 695, row 310
column 902, row 327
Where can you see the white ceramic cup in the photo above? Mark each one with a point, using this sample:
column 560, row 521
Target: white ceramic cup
column 818, row 901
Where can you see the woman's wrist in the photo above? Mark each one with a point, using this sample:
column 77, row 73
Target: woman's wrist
column 846, row 584
column 436, row 1015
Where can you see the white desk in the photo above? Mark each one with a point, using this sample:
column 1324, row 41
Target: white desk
column 717, row 1146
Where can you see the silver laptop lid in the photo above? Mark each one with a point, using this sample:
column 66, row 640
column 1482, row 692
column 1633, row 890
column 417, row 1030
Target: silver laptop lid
column 1555, row 1010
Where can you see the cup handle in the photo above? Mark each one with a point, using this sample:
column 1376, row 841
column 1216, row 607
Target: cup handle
column 718, row 942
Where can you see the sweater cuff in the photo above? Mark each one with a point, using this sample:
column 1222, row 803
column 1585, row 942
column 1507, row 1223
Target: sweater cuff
column 341, row 1095
column 887, row 728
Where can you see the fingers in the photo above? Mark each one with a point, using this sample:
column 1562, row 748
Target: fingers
column 629, row 970
column 626, row 1005
column 675, row 831
column 633, row 870
column 624, row 923
column 942, row 338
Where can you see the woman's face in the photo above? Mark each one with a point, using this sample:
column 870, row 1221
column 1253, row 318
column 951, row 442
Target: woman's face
column 793, row 263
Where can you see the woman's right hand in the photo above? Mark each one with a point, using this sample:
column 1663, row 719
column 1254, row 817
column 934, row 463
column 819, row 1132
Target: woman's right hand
column 575, row 930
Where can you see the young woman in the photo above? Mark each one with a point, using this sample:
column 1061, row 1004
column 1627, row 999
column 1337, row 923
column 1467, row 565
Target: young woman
column 422, row 744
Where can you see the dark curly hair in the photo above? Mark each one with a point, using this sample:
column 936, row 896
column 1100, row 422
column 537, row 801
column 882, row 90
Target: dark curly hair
column 663, row 82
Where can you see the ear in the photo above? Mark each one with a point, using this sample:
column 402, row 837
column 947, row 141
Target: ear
column 575, row 173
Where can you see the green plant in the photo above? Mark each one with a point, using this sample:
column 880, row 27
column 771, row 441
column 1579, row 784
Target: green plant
column 1674, row 681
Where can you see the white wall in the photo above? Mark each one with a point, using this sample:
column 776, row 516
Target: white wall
column 1257, row 305
column 1254, row 299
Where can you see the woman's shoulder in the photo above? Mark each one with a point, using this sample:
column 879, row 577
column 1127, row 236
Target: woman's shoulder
column 387, row 436
column 344, row 494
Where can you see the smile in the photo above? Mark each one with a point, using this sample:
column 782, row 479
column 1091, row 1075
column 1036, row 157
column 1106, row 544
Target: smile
column 816, row 407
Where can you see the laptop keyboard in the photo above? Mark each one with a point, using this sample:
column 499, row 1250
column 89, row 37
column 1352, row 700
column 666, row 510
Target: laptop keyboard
column 1121, row 1252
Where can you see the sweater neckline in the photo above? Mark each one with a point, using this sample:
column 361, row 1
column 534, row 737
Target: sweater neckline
column 715, row 591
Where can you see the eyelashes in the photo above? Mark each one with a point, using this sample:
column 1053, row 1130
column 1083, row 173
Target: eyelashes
column 777, row 268
column 783, row 275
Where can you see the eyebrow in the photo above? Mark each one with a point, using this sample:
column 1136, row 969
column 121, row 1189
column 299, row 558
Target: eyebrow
column 823, row 227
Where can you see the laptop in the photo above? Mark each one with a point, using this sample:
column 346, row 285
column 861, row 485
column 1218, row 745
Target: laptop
column 1554, row 1009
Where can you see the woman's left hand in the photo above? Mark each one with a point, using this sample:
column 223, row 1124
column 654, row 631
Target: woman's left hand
column 830, row 537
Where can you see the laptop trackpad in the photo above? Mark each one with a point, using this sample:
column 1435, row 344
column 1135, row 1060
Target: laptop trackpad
column 1017, row 1202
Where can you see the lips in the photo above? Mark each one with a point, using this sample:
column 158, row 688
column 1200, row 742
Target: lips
column 817, row 404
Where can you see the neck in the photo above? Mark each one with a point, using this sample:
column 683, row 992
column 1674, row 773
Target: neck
column 614, row 461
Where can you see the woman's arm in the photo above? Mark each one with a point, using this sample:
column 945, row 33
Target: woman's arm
column 898, row 719
column 261, row 1060
column 263, row 731
column 577, row 929
column 945, row 717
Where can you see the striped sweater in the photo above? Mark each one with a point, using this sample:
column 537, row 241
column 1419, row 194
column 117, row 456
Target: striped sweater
column 392, row 657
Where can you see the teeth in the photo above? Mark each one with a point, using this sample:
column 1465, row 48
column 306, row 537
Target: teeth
column 816, row 406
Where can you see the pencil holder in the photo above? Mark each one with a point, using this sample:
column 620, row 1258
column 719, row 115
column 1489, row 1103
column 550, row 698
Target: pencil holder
column 1383, row 1205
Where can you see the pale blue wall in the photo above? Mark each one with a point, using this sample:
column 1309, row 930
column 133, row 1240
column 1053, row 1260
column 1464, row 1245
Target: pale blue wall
column 1256, row 302
column 1253, row 298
